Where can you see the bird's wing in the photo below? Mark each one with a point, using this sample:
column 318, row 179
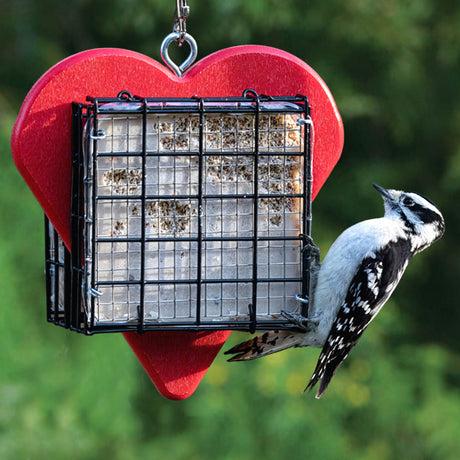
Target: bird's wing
column 262, row 345
column 370, row 288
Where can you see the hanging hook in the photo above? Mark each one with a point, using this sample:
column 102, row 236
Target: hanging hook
column 179, row 35
column 175, row 36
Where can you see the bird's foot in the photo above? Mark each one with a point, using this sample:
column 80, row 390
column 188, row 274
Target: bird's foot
column 311, row 247
column 302, row 322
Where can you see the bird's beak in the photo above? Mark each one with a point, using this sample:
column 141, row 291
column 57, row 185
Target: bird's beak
column 386, row 195
column 390, row 197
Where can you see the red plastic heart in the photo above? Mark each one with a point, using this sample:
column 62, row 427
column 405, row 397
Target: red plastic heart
column 41, row 145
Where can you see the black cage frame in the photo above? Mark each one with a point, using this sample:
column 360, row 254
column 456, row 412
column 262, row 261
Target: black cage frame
column 71, row 302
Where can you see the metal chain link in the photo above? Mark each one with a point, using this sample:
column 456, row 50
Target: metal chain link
column 182, row 13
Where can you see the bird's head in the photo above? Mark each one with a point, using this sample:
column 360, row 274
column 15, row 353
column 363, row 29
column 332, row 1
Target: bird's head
column 421, row 219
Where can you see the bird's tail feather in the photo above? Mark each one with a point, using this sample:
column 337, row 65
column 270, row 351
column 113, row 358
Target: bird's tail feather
column 262, row 345
column 324, row 372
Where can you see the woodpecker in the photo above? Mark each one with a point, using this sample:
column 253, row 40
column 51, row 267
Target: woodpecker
column 357, row 276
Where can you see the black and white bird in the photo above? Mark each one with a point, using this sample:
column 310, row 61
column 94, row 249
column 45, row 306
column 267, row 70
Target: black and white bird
column 351, row 285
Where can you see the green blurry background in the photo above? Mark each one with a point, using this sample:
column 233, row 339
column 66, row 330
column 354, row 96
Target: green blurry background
column 394, row 70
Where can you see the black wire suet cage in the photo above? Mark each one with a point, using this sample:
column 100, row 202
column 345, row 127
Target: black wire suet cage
column 187, row 213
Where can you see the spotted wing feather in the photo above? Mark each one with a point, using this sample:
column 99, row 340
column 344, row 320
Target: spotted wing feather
column 372, row 285
column 262, row 345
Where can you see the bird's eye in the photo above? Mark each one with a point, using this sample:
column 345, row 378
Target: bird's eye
column 408, row 201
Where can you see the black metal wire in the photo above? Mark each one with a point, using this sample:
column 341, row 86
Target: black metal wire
column 255, row 212
column 48, row 271
column 74, row 315
column 200, row 215
column 92, row 221
column 307, row 214
column 140, row 310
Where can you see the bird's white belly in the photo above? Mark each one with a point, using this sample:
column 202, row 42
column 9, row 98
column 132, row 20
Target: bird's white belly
column 338, row 269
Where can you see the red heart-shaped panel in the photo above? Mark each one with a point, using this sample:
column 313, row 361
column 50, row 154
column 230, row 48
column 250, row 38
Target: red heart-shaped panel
column 41, row 145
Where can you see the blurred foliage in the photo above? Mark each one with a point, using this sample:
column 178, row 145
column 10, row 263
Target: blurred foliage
column 393, row 67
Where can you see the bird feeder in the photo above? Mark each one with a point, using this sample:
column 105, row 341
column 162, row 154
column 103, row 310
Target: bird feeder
column 171, row 213
column 186, row 213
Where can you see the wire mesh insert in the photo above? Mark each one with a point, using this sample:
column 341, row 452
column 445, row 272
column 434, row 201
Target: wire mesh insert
column 187, row 213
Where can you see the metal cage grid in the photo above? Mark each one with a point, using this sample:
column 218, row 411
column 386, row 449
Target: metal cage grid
column 186, row 214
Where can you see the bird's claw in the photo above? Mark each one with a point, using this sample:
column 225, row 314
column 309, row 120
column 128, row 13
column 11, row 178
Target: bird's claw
column 310, row 246
column 302, row 322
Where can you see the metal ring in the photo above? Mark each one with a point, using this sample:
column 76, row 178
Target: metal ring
column 301, row 299
column 125, row 95
column 304, row 121
column 250, row 93
column 176, row 37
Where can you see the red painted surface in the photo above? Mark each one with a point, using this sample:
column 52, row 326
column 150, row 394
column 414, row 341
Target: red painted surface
column 41, row 145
